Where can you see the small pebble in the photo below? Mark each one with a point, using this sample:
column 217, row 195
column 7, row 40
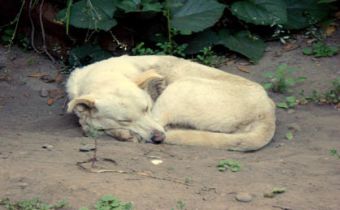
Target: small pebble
column 156, row 162
column 47, row 146
column 22, row 185
column 244, row 197
column 87, row 148
column 43, row 92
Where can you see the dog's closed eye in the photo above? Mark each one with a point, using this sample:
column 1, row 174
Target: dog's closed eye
column 124, row 121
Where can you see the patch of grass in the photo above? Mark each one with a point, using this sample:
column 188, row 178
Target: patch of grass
column 334, row 152
column 320, row 49
column 289, row 135
column 180, row 206
column 281, row 80
column 229, row 164
column 331, row 96
column 109, row 202
column 162, row 48
column 33, row 204
column 206, row 56
column 290, row 102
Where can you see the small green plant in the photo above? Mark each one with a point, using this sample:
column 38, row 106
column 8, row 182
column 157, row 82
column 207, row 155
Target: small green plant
column 108, row 202
column 331, row 96
column 141, row 49
column 290, row 102
column 334, row 152
column 162, row 48
column 180, row 206
column 33, row 204
column 206, row 56
column 289, row 135
column 320, row 49
column 229, row 164
column 281, row 80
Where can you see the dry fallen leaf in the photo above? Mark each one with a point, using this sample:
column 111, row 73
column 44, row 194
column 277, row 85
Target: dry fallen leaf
column 289, row 46
column 56, row 93
column 50, row 101
column 329, row 30
column 59, row 78
column 243, row 69
column 38, row 75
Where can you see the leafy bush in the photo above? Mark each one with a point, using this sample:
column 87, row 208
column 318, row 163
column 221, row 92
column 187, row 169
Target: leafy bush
column 320, row 49
column 205, row 23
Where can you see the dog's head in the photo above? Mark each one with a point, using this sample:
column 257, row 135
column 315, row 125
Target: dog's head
column 122, row 110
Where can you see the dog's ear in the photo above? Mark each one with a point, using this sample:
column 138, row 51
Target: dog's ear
column 81, row 104
column 144, row 79
column 152, row 82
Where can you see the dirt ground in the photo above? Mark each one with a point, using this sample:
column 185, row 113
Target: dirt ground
column 303, row 165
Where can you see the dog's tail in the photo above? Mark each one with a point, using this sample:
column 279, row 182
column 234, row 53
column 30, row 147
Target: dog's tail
column 260, row 134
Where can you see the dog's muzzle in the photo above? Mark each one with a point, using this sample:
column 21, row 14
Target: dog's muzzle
column 157, row 136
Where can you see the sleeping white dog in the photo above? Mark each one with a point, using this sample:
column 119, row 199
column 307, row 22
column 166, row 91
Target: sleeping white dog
column 164, row 98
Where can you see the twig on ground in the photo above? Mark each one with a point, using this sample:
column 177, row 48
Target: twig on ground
column 132, row 172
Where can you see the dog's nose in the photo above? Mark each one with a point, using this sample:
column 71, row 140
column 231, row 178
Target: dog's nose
column 157, row 136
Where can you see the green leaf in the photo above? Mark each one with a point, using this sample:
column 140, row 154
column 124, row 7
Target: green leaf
column 91, row 14
column 278, row 190
column 268, row 86
column 86, row 54
column 268, row 74
column 140, row 6
column 282, row 105
column 260, row 12
column 194, row 15
column 244, row 43
column 201, row 40
column 230, row 164
column 289, row 135
column 307, row 51
column 303, row 13
column 300, row 79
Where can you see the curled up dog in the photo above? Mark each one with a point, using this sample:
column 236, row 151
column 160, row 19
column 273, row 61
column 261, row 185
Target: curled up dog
column 164, row 98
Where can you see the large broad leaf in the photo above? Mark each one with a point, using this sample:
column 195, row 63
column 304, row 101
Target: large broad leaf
column 140, row 6
column 189, row 16
column 244, row 43
column 261, row 12
column 304, row 13
column 86, row 54
column 91, row 14
column 201, row 40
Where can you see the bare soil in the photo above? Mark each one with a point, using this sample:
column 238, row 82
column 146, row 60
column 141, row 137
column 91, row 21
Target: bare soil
column 303, row 165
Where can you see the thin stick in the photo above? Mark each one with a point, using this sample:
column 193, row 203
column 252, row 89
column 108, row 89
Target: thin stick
column 43, row 32
column 32, row 27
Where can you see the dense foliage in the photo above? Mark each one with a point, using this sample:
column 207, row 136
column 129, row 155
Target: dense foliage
column 182, row 27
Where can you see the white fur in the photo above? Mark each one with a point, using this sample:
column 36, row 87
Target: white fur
column 221, row 110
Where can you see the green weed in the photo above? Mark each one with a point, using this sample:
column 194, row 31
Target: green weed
column 108, row 202
column 334, row 152
column 33, row 204
column 321, row 49
column 289, row 135
column 331, row 96
column 281, row 80
column 206, row 56
column 290, row 102
column 180, row 206
column 229, row 164
column 162, row 48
